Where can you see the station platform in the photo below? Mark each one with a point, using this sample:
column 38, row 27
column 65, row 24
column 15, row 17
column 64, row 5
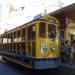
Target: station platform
column 69, row 65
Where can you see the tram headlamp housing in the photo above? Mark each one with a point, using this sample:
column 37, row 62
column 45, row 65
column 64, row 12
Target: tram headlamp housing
column 53, row 48
column 43, row 47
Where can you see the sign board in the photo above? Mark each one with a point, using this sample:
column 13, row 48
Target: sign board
column 71, row 25
column 37, row 16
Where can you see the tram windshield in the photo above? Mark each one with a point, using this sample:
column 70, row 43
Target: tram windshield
column 43, row 29
column 51, row 31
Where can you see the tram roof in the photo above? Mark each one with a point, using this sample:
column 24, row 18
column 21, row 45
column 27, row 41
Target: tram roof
column 16, row 28
column 65, row 11
column 21, row 26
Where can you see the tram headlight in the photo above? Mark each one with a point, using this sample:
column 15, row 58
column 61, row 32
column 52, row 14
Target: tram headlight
column 53, row 48
column 43, row 47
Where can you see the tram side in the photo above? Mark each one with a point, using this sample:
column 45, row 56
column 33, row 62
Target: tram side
column 34, row 45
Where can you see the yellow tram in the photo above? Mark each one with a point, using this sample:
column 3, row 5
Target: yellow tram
column 34, row 45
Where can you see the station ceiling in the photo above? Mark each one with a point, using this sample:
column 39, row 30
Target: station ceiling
column 68, row 11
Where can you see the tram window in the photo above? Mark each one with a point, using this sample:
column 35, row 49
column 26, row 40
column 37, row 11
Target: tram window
column 11, row 37
column 0, row 47
column 19, row 35
column 29, row 48
column 51, row 31
column 23, row 48
column 7, row 38
column 31, row 33
column 14, row 34
column 15, row 37
column 14, row 48
column 52, row 35
column 23, row 34
column 1, row 40
column 10, row 47
column 33, row 48
column 4, row 47
column 18, row 48
column 42, row 29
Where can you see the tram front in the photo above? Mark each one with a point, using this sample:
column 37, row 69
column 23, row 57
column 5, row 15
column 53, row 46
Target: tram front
column 48, row 47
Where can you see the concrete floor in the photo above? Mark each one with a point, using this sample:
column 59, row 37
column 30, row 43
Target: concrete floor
column 10, row 69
